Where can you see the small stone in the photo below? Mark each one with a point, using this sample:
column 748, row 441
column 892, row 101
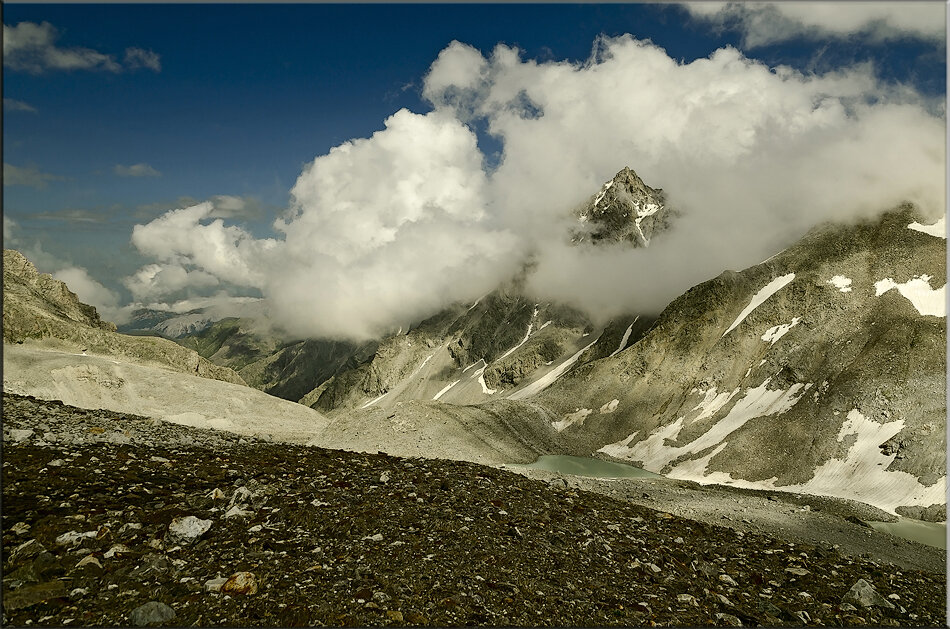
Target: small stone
column 89, row 560
column 797, row 571
column 151, row 613
column 118, row 549
column 26, row 550
column 688, row 599
column 240, row 583
column 78, row 593
column 863, row 593
column 72, row 538
column 847, row 607
column 394, row 614
column 20, row 528
column 56, row 463
column 215, row 585
column 188, row 529
column 20, row 435
column 158, row 459
column 678, row 540
column 725, row 578
column 384, row 477
column 376, row 538
column 236, row 512
column 216, row 494
column 729, row 620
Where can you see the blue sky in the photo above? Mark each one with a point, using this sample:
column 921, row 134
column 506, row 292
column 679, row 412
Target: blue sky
column 170, row 105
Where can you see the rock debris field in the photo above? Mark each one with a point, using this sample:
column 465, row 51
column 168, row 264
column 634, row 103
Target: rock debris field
column 113, row 519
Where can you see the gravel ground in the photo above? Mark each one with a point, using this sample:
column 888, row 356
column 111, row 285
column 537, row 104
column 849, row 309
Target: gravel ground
column 797, row 518
column 112, row 519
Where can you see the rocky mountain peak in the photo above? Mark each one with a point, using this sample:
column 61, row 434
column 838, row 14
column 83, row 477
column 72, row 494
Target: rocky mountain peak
column 21, row 278
column 624, row 210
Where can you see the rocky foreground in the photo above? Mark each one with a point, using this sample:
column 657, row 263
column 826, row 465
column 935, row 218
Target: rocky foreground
column 113, row 519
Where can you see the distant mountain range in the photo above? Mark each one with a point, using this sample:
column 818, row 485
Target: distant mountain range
column 821, row 370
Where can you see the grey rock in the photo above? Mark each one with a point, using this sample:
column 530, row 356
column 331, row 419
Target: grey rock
column 729, row 620
column 725, row 578
column 863, row 594
column 151, row 613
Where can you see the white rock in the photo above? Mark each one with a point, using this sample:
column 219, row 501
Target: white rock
column 187, row 529
column 72, row 538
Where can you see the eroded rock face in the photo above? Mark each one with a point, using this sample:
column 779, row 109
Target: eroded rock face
column 27, row 291
column 38, row 308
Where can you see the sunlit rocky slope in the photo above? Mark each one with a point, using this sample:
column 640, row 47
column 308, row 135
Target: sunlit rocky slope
column 40, row 310
column 821, row 370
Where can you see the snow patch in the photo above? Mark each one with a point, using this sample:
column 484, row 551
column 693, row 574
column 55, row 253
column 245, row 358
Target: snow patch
column 548, row 379
column 841, row 282
column 938, row 229
column 759, row 298
column 626, row 337
column 374, row 400
column 773, row 334
column 570, row 419
column 603, row 192
column 760, row 401
column 927, row 301
column 711, row 403
column 609, row 407
column 863, row 474
column 480, row 374
column 445, row 390
column 523, row 341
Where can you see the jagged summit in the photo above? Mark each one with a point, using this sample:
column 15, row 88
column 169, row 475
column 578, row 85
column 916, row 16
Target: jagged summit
column 625, row 209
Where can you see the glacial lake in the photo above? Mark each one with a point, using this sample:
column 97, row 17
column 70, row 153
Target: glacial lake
column 930, row 533
column 584, row 466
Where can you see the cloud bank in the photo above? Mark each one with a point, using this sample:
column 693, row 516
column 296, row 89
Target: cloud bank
column 388, row 229
column 764, row 23
column 31, row 47
column 11, row 104
column 29, row 176
column 135, row 170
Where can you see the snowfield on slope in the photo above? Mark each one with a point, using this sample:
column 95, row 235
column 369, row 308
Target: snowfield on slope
column 654, row 454
column 928, row 301
column 938, row 229
column 759, row 298
column 862, row 475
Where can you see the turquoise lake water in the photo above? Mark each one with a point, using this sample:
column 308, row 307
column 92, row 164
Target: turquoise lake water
column 585, row 466
column 930, row 533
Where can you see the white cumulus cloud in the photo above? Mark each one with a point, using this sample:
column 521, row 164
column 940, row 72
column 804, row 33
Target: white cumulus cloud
column 388, row 229
column 764, row 23
column 90, row 291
